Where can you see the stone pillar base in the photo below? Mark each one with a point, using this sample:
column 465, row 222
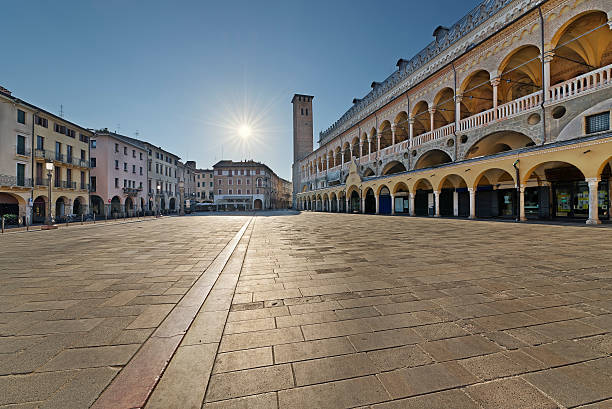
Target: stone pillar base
column 593, row 221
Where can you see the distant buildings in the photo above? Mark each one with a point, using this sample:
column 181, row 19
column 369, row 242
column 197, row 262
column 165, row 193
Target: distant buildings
column 249, row 185
column 109, row 174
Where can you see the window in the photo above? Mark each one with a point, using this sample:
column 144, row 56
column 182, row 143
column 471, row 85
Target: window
column 231, row 192
column 210, row 175
column 93, row 162
column 69, row 175
column 42, row 122
column 20, row 174
column 69, row 153
column 140, row 155
column 211, row 184
column 20, row 116
column 248, row 172
column 306, row 111
column 156, row 155
column 116, row 147
column 257, row 172
column 141, row 170
column 93, row 144
column 219, row 172
column 239, row 191
column 239, row 181
column 124, row 183
column 125, row 167
column 92, row 181
column 116, row 164
column 302, row 110
column 125, row 150
column 248, row 192
column 59, row 129
column 248, row 181
column 82, row 180
column 133, row 168
column 198, row 184
column 40, row 142
column 134, row 153
column 157, row 168
column 597, row 123
column 21, row 150
column 83, row 138
column 70, row 132
column 257, row 191
column 58, row 151
column 219, row 191
column 229, row 181
column 82, row 154
column 58, row 176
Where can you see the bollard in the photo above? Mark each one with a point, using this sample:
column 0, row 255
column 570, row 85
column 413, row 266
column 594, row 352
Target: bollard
column 81, row 219
column 94, row 219
column 2, row 224
column 27, row 224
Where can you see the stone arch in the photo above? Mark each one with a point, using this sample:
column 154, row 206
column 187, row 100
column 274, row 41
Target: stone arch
column 495, row 194
column 60, row 206
column 115, row 205
column 346, row 148
column 494, row 177
column 520, row 73
column 476, row 93
column 444, row 105
column 39, row 209
column 423, row 197
column 129, row 204
column 400, row 187
column 454, row 197
column 257, row 204
column 385, row 134
column 402, row 127
column 368, row 173
column 422, row 121
column 369, row 200
column 384, row 199
column 10, row 204
column 372, row 138
column 538, row 170
column 333, row 202
column 79, row 205
column 496, row 142
column 355, row 145
column 453, row 181
column 97, row 205
column 432, row 158
column 393, row 167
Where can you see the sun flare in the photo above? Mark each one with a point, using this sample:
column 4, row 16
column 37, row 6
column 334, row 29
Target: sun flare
column 244, row 131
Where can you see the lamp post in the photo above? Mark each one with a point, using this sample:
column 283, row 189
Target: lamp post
column 181, row 185
column 49, row 167
column 158, row 200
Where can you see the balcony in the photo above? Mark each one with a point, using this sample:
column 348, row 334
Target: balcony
column 67, row 184
column 84, row 186
column 14, row 181
column 40, row 181
column 132, row 191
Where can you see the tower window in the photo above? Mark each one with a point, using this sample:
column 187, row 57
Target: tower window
column 306, row 111
column 302, row 111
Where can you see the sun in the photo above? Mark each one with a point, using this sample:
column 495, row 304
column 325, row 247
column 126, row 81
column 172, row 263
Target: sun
column 244, row 131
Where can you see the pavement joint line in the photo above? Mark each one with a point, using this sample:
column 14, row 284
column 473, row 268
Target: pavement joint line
column 212, row 369
column 136, row 381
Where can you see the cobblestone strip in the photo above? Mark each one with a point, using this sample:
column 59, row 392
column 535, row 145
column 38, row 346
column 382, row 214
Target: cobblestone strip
column 185, row 381
column 134, row 384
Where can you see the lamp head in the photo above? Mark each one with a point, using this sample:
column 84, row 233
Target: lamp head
column 49, row 166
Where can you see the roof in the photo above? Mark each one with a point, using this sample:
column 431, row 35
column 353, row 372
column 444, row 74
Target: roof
column 8, row 95
column 300, row 95
column 123, row 138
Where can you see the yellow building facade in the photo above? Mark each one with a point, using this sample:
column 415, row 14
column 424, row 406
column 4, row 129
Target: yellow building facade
column 505, row 114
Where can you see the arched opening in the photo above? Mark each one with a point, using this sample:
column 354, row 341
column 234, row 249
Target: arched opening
column 477, row 94
column 393, row 167
column 258, row 204
column 60, row 207
column 385, row 135
column 580, row 46
column 129, row 205
column 444, row 104
column 325, row 203
column 355, row 202
column 370, row 201
column 497, row 142
column 368, row 172
column 347, row 152
column 172, row 205
column 9, row 205
column 559, row 190
column 355, row 144
column 334, row 203
column 521, row 74
column 434, row 157
column 402, row 127
column 423, row 198
column 402, row 198
column 384, row 200
column 342, row 204
column 97, row 205
column 77, row 206
column 422, row 121
column 142, row 204
column 454, row 197
column 39, row 211
column 373, row 144
column 495, row 194
column 115, row 206
column 364, row 144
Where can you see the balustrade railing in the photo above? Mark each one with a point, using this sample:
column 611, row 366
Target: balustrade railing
column 586, row 82
column 519, row 105
column 15, row 181
column 477, row 120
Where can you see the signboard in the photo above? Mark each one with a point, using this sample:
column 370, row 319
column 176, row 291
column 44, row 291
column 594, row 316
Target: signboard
column 109, row 200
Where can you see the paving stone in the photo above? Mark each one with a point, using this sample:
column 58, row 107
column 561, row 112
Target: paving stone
column 91, row 357
column 261, row 401
column 462, row 347
column 312, row 349
column 384, row 339
column 332, row 369
column 82, row 390
column 399, row 357
column 440, row 400
column 257, row 339
column 249, row 382
column 35, row 387
column 335, row 329
column 243, row 359
column 250, row 325
column 344, row 394
column 512, row 393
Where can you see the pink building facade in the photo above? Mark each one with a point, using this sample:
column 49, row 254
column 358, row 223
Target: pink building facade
column 118, row 174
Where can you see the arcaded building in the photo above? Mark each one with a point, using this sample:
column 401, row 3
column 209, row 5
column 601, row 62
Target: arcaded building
column 504, row 114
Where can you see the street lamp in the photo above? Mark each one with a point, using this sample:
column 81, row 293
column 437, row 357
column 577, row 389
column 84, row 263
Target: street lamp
column 181, row 186
column 158, row 200
column 49, row 167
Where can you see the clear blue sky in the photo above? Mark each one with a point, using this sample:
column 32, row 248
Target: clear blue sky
column 183, row 73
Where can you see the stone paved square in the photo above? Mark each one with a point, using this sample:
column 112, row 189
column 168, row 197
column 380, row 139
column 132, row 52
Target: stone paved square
column 310, row 310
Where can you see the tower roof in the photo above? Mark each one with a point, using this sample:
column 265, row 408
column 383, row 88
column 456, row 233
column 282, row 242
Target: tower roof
column 300, row 95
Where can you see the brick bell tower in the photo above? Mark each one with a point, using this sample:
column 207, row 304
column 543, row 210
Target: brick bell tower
column 302, row 137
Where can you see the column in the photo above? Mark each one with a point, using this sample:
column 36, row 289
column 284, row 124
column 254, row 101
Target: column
column 472, row 202
column 495, row 83
column 392, row 134
column 522, row 203
column 338, row 204
column 411, row 133
column 593, row 201
column 329, row 205
column 351, row 152
column 326, row 163
column 360, row 148
column 436, row 203
column 548, row 56
column 455, row 203
column 362, row 204
column 458, row 99
column 411, row 210
column 378, row 135
column 392, row 204
column 342, row 163
column 376, row 198
column 369, row 147
column 432, row 111
column 347, row 209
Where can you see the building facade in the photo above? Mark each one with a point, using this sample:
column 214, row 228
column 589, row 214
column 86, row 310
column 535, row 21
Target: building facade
column 504, row 114
column 30, row 137
column 247, row 185
column 163, row 177
column 118, row 174
column 205, row 186
column 187, row 175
